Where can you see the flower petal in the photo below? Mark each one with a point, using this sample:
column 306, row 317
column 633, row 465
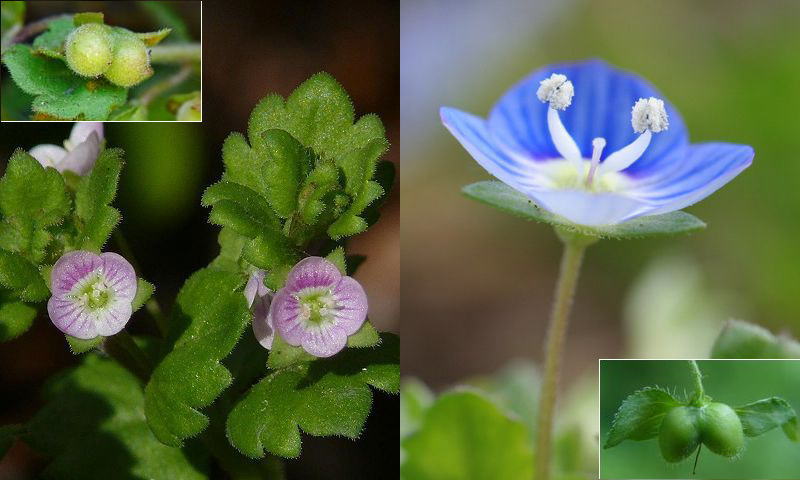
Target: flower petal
column 112, row 319
column 263, row 327
column 81, row 131
column 48, row 155
column 601, row 107
column 325, row 342
column 285, row 311
column 119, row 275
column 82, row 157
column 706, row 168
column 312, row 272
column 351, row 303
column 471, row 131
column 590, row 209
column 70, row 269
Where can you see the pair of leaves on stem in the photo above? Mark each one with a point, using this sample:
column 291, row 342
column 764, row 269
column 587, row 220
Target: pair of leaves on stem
column 43, row 214
column 641, row 414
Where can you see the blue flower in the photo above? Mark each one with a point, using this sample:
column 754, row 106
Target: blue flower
column 595, row 145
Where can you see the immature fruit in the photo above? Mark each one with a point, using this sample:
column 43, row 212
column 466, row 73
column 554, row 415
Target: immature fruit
column 88, row 49
column 679, row 435
column 721, row 430
column 131, row 63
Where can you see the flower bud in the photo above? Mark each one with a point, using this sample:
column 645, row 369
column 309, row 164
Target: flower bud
column 721, row 430
column 89, row 50
column 131, row 63
column 679, row 435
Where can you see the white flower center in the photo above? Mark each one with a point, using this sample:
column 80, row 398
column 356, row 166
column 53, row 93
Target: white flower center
column 93, row 293
column 317, row 307
column 572, row 171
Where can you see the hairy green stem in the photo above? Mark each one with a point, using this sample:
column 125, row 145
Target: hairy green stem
column 574, row 248
column 176, row 53
column 122, row 348
column 698, row 381
column 172, row 81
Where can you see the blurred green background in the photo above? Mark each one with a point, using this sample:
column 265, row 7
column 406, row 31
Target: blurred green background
column 477, row 284
column 734, row 382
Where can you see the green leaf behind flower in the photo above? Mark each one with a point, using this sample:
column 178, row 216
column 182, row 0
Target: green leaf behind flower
column 640, row 416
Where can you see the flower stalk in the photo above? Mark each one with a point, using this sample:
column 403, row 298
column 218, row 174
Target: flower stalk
column 574, row 248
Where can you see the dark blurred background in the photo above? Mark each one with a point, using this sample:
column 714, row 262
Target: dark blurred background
column 733, row 382
column 477, row 283
column 250, row 48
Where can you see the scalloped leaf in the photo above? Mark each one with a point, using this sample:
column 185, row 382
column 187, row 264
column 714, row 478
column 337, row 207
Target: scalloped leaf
column 640, row 416
column 746, row 340
column 16, row 317
column 499, row 195
column 325, row 397
column 93, row 428
column 209, row 317
column 764, row 415
column 58, row 91
column 464, row 435
column 51, row 42
column 92, row 198
column 22, row 277
column 32, row 198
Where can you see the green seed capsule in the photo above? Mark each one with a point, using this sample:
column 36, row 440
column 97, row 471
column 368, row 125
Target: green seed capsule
column 679, row 435
column 721, row 430
column 88, row 49
column 131, row 63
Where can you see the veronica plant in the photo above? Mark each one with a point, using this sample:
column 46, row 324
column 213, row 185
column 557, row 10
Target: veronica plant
column 271, row 339
column 79, row 68
column 684, row 426
column 597, row 153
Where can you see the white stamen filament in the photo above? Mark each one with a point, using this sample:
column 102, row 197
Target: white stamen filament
column 563, row 141
column 625, row 156
column 598, row 144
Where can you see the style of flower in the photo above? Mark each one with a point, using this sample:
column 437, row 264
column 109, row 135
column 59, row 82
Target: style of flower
column 579, row 158
column 259, row 299
column 80, row 150
column 91, row 294
column 318, row 308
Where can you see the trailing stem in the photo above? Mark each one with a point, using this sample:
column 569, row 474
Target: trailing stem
column 574, row 247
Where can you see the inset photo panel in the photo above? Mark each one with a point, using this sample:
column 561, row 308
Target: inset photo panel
column 721, row 419
column 101, row 61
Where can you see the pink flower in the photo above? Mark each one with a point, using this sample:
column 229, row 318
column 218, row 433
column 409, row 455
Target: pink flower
column 318, row 308
column 259, row 299
column 91, row 294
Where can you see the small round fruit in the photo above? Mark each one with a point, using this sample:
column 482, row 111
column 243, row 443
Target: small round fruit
column 721, row 430
column 131, row 63
column 679, row 435
column 88, row 49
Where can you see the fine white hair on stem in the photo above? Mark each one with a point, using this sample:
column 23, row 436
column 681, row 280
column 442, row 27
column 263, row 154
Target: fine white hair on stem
column 557, row 91
column 649, row 114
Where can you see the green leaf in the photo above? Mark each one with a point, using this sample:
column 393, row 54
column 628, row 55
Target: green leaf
column 465, row 436
column 129, row 113
column 764, row 415
column 93, row 427
column 58, row 91
column 32, row 198
column 154, row 38
column 12, row 16
column 318, row 185
column 79, row 345
column 230, row 254
column 94, row 194
column 746, row 340
column 286, row 164
column 366, row 336
column 22, row 277
column 640, row 415
column 325, row 397
column 319, row 114
column 505, row 198
column 144, row 290
column 210, row 315
column 51, row 42
column 252, row 207
column 337, row 258
column 88, row 17
column 15, row 318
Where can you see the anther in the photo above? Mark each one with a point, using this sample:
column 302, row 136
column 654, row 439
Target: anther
column 557, row 91
column 649, row 114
